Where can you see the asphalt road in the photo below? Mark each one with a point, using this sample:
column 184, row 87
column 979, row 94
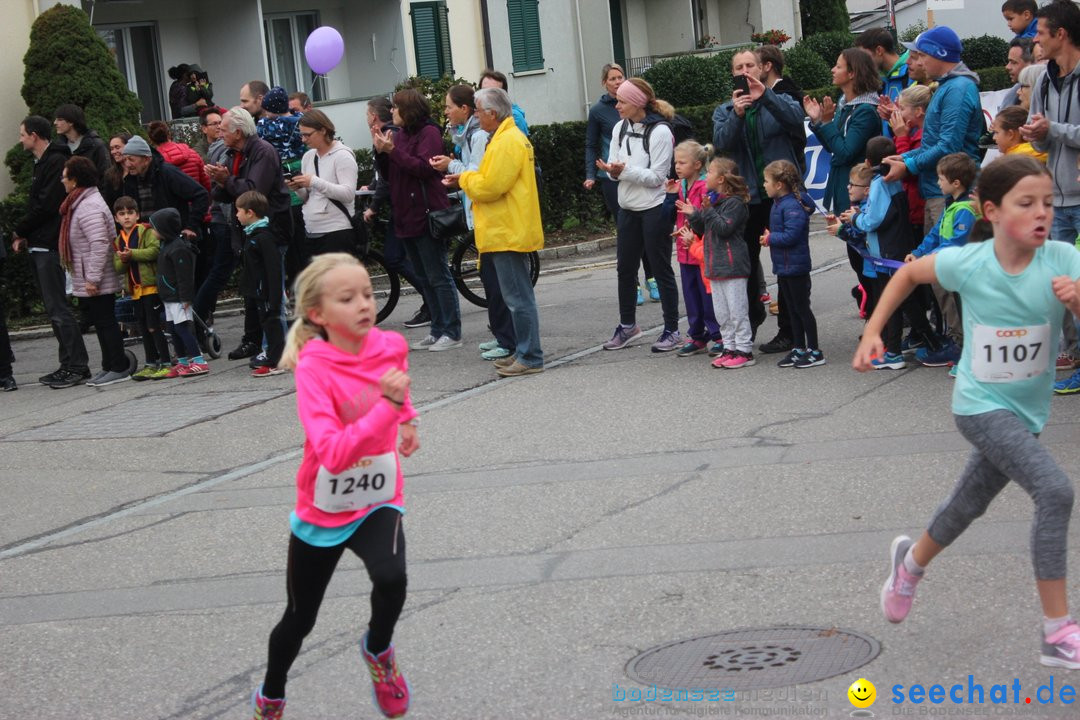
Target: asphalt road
column 558, row 525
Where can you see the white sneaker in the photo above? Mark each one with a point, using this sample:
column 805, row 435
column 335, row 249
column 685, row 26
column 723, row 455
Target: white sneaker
column 423, row 344
column 444, row 343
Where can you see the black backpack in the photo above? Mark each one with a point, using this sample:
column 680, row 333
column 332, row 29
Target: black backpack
column 680, row 128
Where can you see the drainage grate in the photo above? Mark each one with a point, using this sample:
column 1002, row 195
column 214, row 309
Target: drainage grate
column 754, row 658
column 149, row 416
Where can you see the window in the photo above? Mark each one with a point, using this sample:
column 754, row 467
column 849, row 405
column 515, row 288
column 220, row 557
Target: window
column 135, row 48
column 286, row 34
column 525, row 45
column 431, row 38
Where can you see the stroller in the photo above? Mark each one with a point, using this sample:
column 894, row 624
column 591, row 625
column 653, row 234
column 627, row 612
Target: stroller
column 209, row 342
column 124, row 312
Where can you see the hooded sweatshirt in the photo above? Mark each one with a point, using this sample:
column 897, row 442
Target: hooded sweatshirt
column 789, row 234
column 643, row 182
column 176, row 260
column 954, row 122
column 346, row 419
column 334, row 180
column 1058, row 98
column 472, row 141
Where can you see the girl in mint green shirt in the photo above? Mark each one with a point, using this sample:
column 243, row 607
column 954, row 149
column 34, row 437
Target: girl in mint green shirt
column 1012, row 288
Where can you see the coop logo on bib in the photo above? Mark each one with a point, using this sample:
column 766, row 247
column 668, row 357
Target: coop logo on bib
column 1004, row 355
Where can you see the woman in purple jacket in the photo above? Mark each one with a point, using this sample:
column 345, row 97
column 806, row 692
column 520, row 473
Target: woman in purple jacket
column 416, row 189
column 87, row 231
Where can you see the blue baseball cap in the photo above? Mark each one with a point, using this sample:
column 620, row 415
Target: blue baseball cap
column 939, row 42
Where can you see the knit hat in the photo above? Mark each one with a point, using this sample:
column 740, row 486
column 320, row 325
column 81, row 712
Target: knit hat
column 276, row 101
column 939, row 42
column 137, row 146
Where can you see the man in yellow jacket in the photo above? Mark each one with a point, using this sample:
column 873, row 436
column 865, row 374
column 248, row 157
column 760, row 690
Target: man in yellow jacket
column 506, row 214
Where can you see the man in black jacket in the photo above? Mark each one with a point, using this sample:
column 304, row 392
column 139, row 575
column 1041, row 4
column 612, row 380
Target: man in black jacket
column 156, row 185
column 39, row 231
column 251, row 163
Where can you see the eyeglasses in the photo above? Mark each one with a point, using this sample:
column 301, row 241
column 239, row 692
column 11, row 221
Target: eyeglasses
column 307, row 134
column 213, row 124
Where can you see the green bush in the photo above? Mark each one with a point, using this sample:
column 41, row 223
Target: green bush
column 66, row 62
column 435, row 92
column 819, row 93
column 911, row 32
column 688, row 80
column 828, row 45
column 564, row 203
column 985, row 51
column 820, row 16
column 806, row 67
column 994, row 78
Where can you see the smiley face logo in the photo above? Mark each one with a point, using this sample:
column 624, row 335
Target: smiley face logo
column 862, row 693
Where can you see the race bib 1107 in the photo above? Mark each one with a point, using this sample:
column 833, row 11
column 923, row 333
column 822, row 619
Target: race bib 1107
column 1009, row 354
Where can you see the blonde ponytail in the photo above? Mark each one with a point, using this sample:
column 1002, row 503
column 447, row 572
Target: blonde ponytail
column 308, row 295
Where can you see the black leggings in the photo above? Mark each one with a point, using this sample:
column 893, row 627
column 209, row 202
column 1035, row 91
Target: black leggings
column 796, row 292
column 148, row 309
column 380, row 543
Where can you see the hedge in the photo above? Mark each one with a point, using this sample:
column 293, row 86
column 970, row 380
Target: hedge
column 560, row 150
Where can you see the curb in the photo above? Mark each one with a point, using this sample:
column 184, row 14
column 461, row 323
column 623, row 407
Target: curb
column 233, row 306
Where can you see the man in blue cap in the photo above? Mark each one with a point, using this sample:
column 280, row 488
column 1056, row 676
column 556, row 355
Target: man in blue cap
column 954, row 122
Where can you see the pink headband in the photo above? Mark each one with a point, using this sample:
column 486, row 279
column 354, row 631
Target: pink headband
column 630, row 93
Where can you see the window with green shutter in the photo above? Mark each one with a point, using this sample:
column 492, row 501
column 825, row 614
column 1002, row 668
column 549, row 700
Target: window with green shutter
column 431, row 38
column 525, row 45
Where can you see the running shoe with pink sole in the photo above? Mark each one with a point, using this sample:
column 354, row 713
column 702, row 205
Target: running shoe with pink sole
column 266, row 709
column 1062, row 649
column 899, row 589
column 389, row 689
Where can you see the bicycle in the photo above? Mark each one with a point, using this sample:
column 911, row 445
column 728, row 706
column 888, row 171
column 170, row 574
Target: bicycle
column 464, row 268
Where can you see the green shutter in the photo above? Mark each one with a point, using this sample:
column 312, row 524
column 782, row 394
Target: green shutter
column 525, row 45
column 431, row 39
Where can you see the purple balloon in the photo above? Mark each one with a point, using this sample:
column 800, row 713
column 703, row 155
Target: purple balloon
column 324, row 49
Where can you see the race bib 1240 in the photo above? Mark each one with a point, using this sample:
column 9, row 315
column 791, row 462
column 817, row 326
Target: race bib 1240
column 372, row 480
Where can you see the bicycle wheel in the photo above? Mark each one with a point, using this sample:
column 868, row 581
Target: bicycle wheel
column 534, row 267
column 465, row 267
column 385, row 283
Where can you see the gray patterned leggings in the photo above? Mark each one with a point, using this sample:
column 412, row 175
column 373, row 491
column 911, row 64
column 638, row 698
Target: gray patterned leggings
column 1006, row 450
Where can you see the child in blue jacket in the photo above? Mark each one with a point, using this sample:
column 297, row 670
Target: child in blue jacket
column 788, row 240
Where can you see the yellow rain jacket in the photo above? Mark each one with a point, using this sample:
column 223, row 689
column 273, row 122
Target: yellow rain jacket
column 505, row 202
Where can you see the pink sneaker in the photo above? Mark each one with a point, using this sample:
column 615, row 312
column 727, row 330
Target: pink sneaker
column 265, row 708
column 176, row 371
column 722, row 358
column 899, row 589
column 1062, row 649
column 389, row 689
column 735, row 360
column 196, row 369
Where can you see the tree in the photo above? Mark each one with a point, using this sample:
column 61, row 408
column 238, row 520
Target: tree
column 66, row 63
column 823, row 16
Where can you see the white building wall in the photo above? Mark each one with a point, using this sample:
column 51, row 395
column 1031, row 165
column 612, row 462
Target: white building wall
column 599, row 50
column 635, row 30
column 233, row 47
column 779, row 15
column 670, row 26
column 466, row 38
column 556, row 93
column 15, row 39
column 733, row 20
column 979, row 17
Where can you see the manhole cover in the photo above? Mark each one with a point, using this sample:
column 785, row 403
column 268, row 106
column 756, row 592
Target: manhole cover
column 754, row 658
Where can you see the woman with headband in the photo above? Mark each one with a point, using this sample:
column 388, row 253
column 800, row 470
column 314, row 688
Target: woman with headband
column 639, row 159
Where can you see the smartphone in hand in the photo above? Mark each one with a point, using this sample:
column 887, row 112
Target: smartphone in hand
column 741, row 83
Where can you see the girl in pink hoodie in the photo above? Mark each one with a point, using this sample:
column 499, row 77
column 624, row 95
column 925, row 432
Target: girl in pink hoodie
column 353, row 401
column 690, row 161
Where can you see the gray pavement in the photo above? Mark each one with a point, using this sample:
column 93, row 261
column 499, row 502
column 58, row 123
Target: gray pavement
column 558, row 525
